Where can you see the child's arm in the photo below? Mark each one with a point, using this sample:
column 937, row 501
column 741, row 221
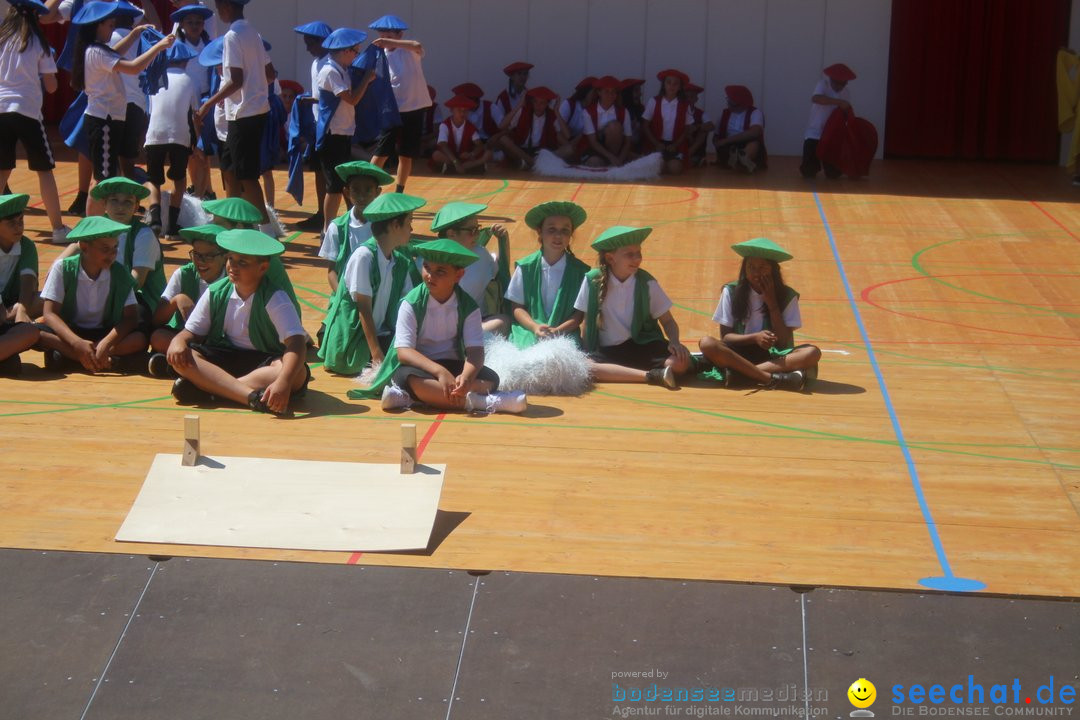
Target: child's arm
column 571, row 325
column 415, row 358
column 671, row 329
column 563, row 132
column 139, row 275
column 129, row 320
column 354, row 95
column 28, row 295
column 136, row 66
column 276, row 395
column 367, row 322
column 83, row 349
column 764, row 339
column 179, row 352
column 783, row 336
column 474, row 360
column 826, row 100
column 121, row 46
column 513, row 114
column 180, row 303
column 233, row 80
column 391, row 43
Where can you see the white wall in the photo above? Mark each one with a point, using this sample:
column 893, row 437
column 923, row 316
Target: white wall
column 777, row 48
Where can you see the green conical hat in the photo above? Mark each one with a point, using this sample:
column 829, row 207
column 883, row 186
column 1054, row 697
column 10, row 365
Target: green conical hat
column 561, row 208
column 208, row 232
column 392, row 205
column 249, row 242
column 619, row 236
column 445, row 250
column 453, row 213
column 762, row 248
column 96, row 226
column 118, row 185
column 13, row 204
column 363, row 167
column 237, row 210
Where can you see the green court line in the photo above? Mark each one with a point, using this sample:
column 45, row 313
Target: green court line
column 505, row 185
column 313, row 291
column 74, row 407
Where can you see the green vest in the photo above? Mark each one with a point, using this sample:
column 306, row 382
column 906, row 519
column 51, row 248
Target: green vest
column 150, row 292
column 418, row 297
column 561, row 309
column 342, row 259
column 28, row 259
column 786, row 296
column 261, row 330
column 344, row 347
column 119, row 286
column 643, row 327
column 280, row 279
column 189, row 285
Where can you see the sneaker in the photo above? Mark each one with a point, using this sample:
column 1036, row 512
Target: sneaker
column 209, row 195
column 662, row 376
column 158, row 366
column 746, row 162
column 395, row 398
column 313, row 223
column 11, row 366
column 786, row 381
column 505, row 402
column 732, row 158
column 59, row 235
column 187, row 392
column 256, row 403
column 54, row 360
column 809, row 377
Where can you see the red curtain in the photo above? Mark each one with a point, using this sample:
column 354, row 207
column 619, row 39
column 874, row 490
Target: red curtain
column 974, row 79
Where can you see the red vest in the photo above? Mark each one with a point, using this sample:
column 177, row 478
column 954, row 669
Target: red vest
column 523, row 129
column 594, row 112
column 697, row 113
column 725, row 117
column 467, row 136
column 657, row 124
column 504, row 100
column 490, row 126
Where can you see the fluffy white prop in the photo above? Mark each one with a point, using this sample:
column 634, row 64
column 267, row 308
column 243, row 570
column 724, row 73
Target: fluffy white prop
column 191, row 212
column 367, row 375
column 550, row 367
column 645, row 168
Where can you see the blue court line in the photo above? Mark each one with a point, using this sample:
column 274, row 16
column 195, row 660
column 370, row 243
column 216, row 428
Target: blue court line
column 948, row 581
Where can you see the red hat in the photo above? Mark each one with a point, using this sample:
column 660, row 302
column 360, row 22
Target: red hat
column 608, row 82
column 671, row 72
column 291, row 85
column 471, row 90
column 431, row 92
column 587, row 82
column 517, row 67
column 740, row 95
column 541, row 92
column 691, row 87
column 840, row 73
column 631, row 82
column 461, row 101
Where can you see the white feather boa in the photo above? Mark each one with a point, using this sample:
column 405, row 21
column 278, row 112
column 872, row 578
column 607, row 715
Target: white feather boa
column 645, row 168
column 192, row 214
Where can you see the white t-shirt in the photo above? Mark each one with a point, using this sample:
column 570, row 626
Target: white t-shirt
column 498, row 112
column 105, row 95
column 170, row 108
column 439, row 335
column 244, row 49
column 8, row 262
column 668, row 111
column 199, row 75
column 819, row 114
column 617, row 310
column 573, row 118
column 174, row 288
column 358, row 281
column 147, row 249
column 20, row 76
column 459, row 133
column 550, row 279
column 478, row 275
column 536, row 134
column 605, row 117
column 758, row 312
column 238, row 316
column 407, row 79
column 359, row 232
column 132, row 90
column 90, row 295
column 333, row 79
column 736, row 121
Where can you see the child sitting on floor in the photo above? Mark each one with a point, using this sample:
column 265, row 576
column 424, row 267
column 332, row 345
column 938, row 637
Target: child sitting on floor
column 243, row 340
column 757, row 315
column 624, row 310
column 91, row 315
column 19, row 300
column 438, row 355
column 460, row 148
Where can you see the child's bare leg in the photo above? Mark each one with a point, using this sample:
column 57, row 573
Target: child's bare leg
column 210, row 378
column 512, row 150
column 251, row 190
column 330, row 206
column 18, row 339
column 798, row 359
column 270, row 187
column 477, row 161
column 430, row 392
column 261, row 378
column 679, row 367
column 160, row 339
column 674, row 167
column 133, row 342
column 612, row 373
column 199, row 172
column 50, row 198
column 722, row 356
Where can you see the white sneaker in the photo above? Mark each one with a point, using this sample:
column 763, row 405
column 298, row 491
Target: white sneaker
column 733, row 158
column 506, row 402
column 395, row 398
column 59, row 235
column 746, row 162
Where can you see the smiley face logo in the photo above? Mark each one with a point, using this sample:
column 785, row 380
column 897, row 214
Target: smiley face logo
column 862, row 693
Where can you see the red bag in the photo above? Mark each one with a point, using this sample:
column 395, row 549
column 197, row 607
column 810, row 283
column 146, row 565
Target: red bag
column 848, row 143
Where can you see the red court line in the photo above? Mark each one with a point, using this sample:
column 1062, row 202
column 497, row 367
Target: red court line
column 1055, row 220
column 573, row 198
column 355, row 557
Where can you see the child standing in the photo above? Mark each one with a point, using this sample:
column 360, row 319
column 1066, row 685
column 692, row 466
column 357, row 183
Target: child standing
column 18, row 285
column 625, row 309
column 666, row 122
column 243, row 340
column 438, row 355
column 757, row 315
column 545, row 283
column 313, row 34
column 831, row 92
column 190, row 22
column 363, row 314
column 91, row 315
column 459, row 146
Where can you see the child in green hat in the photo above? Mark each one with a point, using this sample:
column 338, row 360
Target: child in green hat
column 625, row 309
column 363, row 312
column 91, row 315
column 243, row 340
column 363, row 183
column 186, row 285
column 757, row 315
column 546, row 282
column 460, row 222
column 438, row 354
column 19, row 301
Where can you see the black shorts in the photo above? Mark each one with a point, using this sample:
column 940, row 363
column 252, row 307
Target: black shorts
column 630, row 354
column 31, row 133
column 235, row 361
column 336, row 149
column 403, row 373
column 405, row 138
column 177, row 156
column 105, row 136
column 137, row 121
column 242, row 152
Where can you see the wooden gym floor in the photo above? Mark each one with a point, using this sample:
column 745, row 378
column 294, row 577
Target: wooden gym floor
column 941, row 441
